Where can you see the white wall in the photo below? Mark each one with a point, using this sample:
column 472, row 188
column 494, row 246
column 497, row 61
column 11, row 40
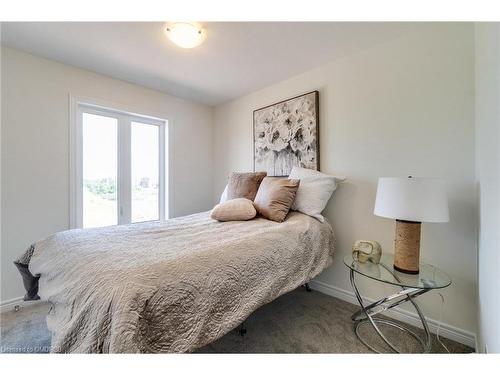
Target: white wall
column 35, row 149
column 488, row 179
column 1, row 260
column 400, row 108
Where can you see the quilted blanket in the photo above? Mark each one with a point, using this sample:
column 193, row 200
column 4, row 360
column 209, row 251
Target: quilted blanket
column 171, row 286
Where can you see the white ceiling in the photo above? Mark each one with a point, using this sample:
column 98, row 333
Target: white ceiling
column 235, row 59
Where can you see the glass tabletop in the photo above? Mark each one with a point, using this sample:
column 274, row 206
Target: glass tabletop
column 429, row 276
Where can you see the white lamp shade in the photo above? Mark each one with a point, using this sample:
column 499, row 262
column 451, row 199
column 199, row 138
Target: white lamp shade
column 420, row 199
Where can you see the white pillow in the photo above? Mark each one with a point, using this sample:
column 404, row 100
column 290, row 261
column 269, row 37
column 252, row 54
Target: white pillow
column 314, row 191
column 223, row 196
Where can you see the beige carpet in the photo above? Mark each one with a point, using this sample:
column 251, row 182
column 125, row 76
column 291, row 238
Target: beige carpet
column 298, row 322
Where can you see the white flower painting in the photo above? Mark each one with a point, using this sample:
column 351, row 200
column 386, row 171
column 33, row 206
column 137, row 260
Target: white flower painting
column 286, row 135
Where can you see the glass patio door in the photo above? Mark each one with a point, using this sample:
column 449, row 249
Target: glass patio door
column 121, row 175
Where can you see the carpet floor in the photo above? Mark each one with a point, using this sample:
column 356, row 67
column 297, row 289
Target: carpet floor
column 298, row 322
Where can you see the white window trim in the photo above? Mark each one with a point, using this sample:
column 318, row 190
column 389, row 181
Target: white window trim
column 124, row 153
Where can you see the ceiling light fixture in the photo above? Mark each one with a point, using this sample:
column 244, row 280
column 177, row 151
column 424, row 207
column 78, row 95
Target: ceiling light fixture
column 185, row 35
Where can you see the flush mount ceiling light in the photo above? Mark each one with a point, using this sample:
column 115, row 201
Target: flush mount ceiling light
column 185, row 35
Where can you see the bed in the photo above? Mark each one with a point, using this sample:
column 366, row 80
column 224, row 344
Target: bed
column 170, row 286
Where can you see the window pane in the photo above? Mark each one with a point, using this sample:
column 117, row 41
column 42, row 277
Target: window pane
column 100, row 167
column 145, row 172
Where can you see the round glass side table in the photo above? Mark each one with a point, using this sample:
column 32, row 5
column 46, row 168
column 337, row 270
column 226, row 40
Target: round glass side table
column 412, row 286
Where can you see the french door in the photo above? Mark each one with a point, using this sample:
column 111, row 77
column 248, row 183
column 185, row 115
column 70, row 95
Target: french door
column 120, row 168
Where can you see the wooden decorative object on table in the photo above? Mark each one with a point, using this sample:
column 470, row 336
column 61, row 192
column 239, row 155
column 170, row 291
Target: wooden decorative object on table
column 367, row 250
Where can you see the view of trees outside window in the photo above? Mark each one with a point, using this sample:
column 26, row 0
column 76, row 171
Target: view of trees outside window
column 145, row 172
column 100, row 166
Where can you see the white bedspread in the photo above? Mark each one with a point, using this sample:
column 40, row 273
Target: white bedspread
column 172, row 286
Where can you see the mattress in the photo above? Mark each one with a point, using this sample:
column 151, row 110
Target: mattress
column 170, row 286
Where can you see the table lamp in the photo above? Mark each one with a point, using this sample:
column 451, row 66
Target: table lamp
column 411, row 201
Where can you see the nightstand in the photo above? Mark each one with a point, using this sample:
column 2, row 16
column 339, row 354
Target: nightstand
column 412, row 286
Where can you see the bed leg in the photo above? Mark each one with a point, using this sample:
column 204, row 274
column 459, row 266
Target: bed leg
column 242, row 330
column 308, row 288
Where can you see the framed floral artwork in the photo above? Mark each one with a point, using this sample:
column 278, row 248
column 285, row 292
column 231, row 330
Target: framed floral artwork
column 286, row 134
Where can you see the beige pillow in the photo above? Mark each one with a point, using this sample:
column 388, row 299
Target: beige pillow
column 244, row 185
column 275, row 197
column 234, row 210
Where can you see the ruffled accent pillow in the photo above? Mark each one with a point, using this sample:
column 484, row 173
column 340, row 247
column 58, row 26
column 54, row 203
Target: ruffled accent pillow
column 239, row 209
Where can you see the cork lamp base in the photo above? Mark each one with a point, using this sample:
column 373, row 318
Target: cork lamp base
column 407, row 247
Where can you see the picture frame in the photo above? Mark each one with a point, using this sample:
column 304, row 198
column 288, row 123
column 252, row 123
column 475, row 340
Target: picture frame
column 286, row 134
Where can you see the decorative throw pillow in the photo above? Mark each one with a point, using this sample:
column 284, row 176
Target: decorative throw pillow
column 275, row 197
column 234, row 210
column 244, row 185
column 314, row 191
column 223, row 196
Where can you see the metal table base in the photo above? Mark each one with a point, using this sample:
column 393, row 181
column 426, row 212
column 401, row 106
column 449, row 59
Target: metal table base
column 366, row 315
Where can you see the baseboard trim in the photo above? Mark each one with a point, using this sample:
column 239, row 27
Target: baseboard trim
column 10, row 304
column 446, row 330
